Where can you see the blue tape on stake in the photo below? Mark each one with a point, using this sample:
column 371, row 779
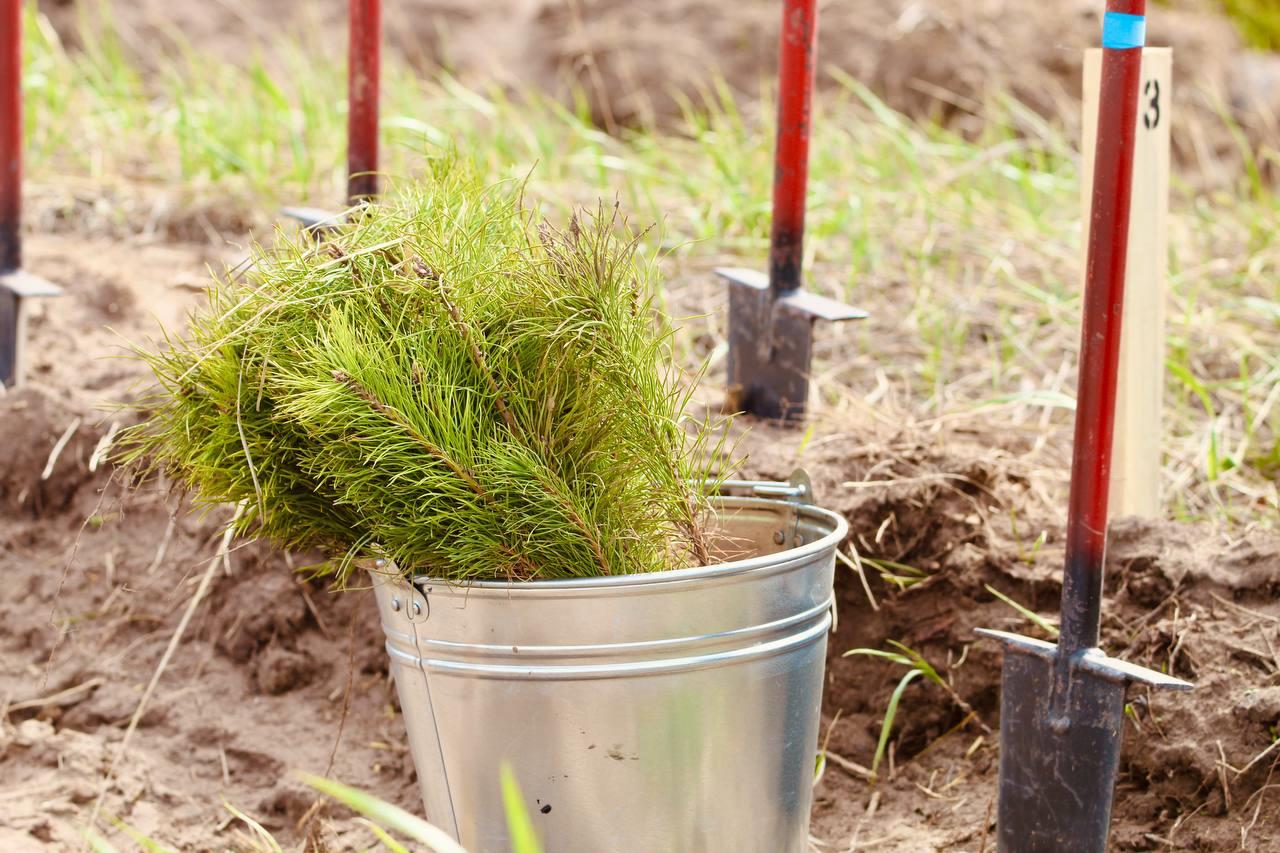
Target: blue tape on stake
column 1122, row 32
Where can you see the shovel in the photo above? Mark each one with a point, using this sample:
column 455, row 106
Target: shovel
column 17, row 287
column 771, row 318
column 364, row 49
column 1062, row 707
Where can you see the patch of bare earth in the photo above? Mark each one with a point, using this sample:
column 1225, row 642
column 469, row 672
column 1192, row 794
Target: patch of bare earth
column 969, row 512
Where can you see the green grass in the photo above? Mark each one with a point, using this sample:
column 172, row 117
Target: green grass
column 1026, row 613
column 966, row 251
column 1257, row 20
column 381, row 818
column 916, row 666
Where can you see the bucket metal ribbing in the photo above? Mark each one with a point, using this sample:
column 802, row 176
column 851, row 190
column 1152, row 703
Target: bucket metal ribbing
column 673, row 711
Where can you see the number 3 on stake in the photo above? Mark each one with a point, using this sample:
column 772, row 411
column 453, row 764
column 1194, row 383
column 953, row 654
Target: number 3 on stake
column 1151, row 118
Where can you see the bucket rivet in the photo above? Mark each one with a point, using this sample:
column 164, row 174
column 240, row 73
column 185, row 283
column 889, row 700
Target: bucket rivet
column 779, row 537
column 417, row 609
column 1060, row 725
column 395, row 605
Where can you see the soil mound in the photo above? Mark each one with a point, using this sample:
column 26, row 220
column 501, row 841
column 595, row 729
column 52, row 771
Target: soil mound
column 938, row 530
column 48, row 453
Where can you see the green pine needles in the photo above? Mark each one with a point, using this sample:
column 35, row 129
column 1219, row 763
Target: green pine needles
column 445, row 385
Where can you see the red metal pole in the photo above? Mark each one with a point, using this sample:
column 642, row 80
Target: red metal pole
column 10, row 134
column 363, row 58
column 1100, row 338
column 797, row 55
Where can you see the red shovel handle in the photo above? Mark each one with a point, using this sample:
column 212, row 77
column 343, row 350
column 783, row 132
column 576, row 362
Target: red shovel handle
column 796, row 57
column 10, row 134
column 1100, row 339
column 363, row 58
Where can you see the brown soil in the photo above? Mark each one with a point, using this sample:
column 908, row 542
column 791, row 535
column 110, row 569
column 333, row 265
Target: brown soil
column 97, row 585
column 276, row 674
column 635, row 62
column 1183, row 599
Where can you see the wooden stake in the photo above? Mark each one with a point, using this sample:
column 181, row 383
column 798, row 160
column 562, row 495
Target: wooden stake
column 1135, row 467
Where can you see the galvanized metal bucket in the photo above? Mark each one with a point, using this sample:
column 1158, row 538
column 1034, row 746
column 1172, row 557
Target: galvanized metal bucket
column 675, row 711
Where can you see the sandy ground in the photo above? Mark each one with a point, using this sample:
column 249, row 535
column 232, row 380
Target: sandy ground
column 276, row 674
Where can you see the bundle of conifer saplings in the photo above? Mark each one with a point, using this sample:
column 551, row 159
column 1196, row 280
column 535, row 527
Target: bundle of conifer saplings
column 444, row 382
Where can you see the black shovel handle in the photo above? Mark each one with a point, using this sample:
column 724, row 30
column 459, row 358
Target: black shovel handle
column 10, row 135
column 1123, row 33
column 797, row 56
column 364, row 55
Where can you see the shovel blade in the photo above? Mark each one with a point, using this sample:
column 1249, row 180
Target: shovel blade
column 314, row 220
column 770, row 351
column 1061, row 727
column 1057, row 778
column 771, row 343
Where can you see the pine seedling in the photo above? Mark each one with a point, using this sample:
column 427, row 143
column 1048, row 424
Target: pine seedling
column 443, row 384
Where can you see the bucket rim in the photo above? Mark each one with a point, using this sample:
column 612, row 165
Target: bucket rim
column 829, row 541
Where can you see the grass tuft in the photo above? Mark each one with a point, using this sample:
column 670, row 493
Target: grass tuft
column 917, row 666
column 1026, row 612
column 1257, row 20
column 387, row 816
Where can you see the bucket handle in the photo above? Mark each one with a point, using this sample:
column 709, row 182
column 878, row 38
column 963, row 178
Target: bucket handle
column 797, row 490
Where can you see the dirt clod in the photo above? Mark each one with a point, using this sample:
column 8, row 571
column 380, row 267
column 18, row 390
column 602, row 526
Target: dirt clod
column 261, row 610
column 34, row 479
column 279, row 671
